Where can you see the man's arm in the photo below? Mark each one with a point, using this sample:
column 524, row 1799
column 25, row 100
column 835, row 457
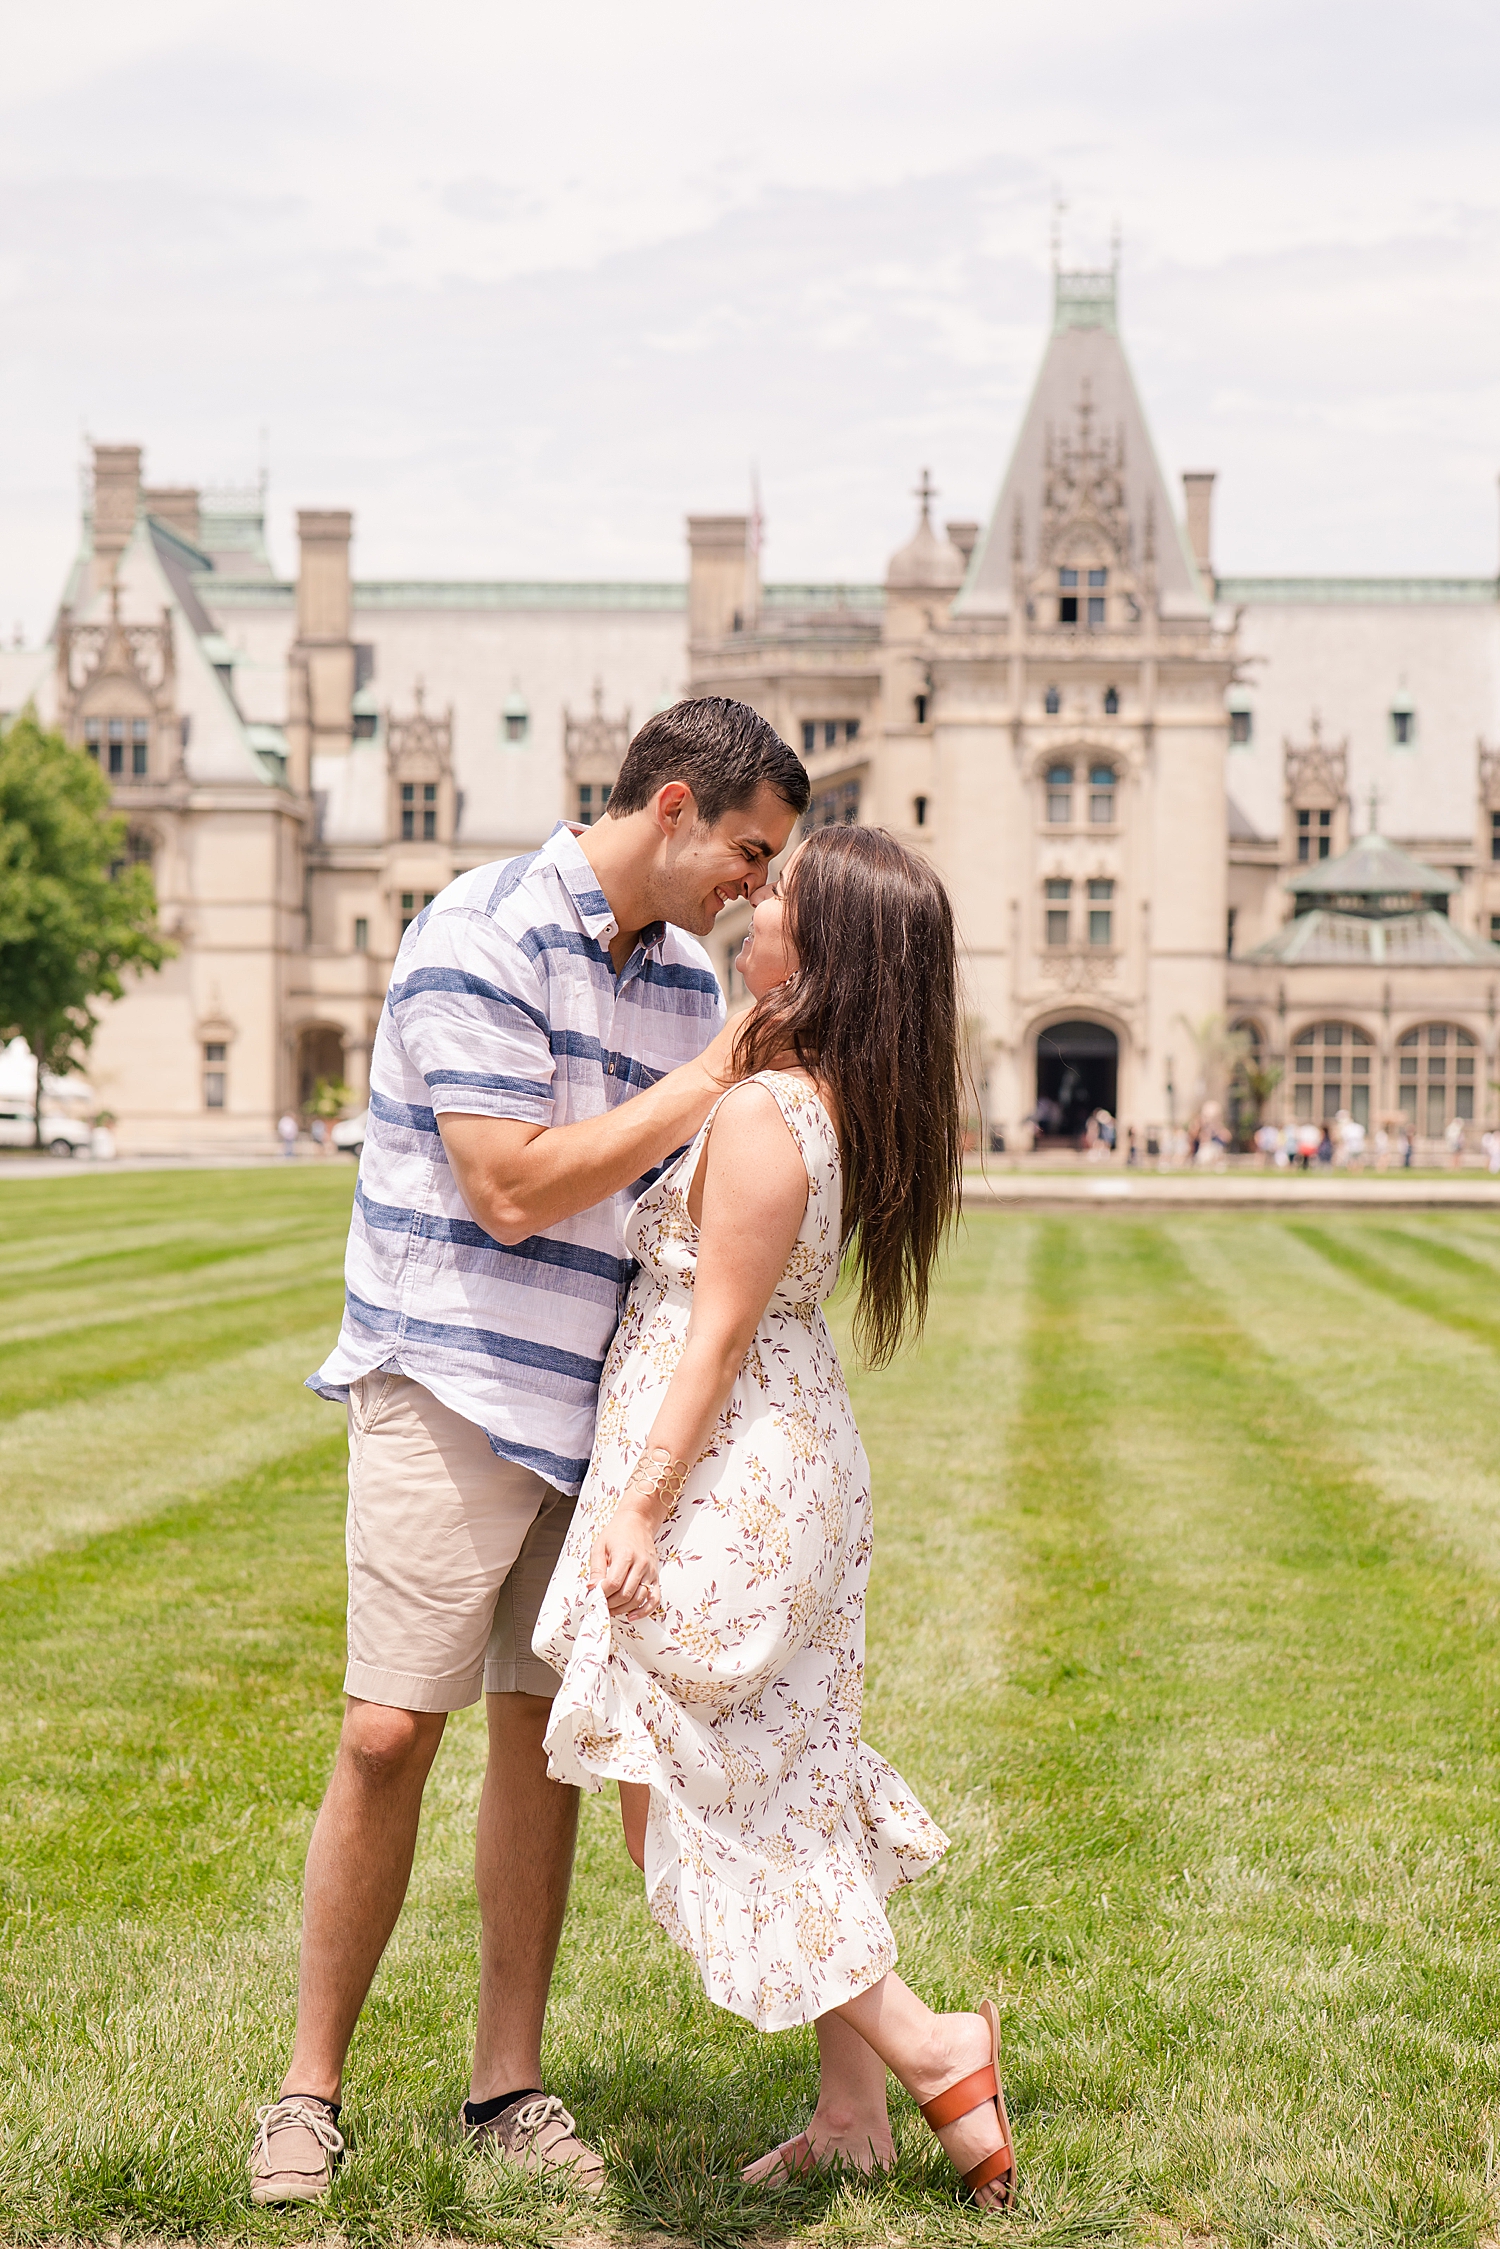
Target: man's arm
column 518, row 1179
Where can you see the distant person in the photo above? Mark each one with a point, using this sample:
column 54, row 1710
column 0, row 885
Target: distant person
column 287, row 1129
column 1132, row 1148
column 1454, row 1136
column 708, row 1610
column 1309, row 1140
column 1404, row 1143
column 1382, row 1144
column 1268, row 1144
column 1325, row 1145
column 547, row 1041
column 1491, row 1146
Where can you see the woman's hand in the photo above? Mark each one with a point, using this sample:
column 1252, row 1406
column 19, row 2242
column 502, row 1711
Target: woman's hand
column 624, row 1563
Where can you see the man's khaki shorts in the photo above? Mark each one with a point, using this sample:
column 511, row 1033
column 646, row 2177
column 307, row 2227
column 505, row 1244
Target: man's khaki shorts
column 450, row 1553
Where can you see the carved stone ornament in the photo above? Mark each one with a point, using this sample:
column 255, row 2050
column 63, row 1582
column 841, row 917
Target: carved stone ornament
column 420, row 746
column 1489, row 775
column 93, row 659
column 1317, row 767
column 594, row 747
column 1083, row 490
column 1078, row 969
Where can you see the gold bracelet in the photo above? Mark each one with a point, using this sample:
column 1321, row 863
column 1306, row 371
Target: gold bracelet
column 657, row 1476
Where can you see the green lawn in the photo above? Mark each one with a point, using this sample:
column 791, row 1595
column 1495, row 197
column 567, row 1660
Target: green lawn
column 1184, row 1624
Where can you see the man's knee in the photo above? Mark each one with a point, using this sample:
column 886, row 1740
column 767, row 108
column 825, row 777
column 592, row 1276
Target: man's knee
column 385, row 1746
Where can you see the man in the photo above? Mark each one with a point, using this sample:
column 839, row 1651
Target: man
column 546, row 1044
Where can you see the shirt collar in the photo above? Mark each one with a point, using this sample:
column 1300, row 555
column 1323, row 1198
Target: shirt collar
column 582, row 885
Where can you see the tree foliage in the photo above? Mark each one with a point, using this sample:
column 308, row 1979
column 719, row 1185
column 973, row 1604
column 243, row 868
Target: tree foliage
column 73, row 917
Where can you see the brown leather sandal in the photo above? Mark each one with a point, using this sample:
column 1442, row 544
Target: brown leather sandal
column 977, row 2090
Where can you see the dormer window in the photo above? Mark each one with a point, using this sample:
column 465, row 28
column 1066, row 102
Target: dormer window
column 1314, row 827
column 1052, row 702
column 410, row 809
column 1111, row 702
column 110, row 741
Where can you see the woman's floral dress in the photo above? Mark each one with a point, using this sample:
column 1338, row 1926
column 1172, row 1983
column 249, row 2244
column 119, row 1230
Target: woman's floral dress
column 775, row 1834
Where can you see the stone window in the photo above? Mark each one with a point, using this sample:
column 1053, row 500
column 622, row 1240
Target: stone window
column 919, row 811
column 1403, row 723
column 588, row 791
column 1102, row 796
column 1067, row 597
column 919, row 707
column 1059, row 891
column 1096, row 600
column 1436, row 1075
column 409, row 907
column 1495, row 837
column 1059, row 795
column 1331, row 1068
column 1101, row 915
column 1111, row 702
column 1052, row 702
column 215, row 1075
column 835, row 807
column 1313, row 828
column 361, row 934
column 833, row 733
column 411, row 809
column 515, row 720
column 1241, row 728
column 1495, row 929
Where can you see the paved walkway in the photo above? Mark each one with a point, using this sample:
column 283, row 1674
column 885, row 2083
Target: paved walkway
column 1271, row 1190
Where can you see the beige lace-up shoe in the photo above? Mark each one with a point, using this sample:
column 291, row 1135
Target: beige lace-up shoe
column 297, row 2150
column 538, row 2133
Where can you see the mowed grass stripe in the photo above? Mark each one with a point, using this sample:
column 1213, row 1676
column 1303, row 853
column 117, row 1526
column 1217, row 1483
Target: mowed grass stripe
column 1415, row 1401
column 157, row 1390
column 1270, row 1706
column 1446, row 1305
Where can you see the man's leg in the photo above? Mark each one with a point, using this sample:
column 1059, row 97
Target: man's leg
column 522, row 1864
column 358, row 1867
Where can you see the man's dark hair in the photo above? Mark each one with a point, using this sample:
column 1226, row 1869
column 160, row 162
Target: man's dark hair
column 723, row 751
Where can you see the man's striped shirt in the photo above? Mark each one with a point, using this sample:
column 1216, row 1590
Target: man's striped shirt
column 504, row 1003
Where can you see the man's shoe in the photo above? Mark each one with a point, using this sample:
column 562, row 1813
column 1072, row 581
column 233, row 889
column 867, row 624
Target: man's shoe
column 297, row 2150
column 537, row 2132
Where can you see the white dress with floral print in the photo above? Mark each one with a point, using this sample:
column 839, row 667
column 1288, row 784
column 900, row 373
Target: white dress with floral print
column 775, row 1834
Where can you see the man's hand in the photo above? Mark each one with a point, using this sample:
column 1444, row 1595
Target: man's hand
column 624, row 1563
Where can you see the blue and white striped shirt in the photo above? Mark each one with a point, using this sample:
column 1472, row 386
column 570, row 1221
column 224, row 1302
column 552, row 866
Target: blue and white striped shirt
column 504, row 1003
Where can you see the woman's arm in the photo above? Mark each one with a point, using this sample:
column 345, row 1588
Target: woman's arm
column 754, row 1196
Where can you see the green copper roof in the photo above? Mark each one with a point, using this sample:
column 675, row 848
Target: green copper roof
column 1357, row 591
column 1371, row 871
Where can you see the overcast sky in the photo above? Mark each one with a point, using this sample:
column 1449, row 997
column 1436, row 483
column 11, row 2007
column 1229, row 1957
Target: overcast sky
column 525, row 286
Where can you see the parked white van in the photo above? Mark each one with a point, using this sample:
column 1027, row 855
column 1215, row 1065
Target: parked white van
column 61, row 1136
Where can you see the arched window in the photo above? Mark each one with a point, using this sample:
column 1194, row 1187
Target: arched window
column 1052, row 702
column 1059, row 795
column 1111, row 702
column 1331, row 1070
column 1102, row 796
column 1436, row 1072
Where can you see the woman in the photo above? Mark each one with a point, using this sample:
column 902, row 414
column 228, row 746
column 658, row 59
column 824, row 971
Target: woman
column 707, row 1612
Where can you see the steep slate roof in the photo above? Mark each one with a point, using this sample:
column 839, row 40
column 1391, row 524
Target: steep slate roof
column 1084, row 347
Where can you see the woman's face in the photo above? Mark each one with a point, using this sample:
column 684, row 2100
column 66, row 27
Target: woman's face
column 768, row 956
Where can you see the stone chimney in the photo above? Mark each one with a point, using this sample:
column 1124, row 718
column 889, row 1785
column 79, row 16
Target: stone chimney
column 321, row 698
column 963, row 536
column 175, row 505
column 722, row 594
column 1198, row 492
column 117, row 497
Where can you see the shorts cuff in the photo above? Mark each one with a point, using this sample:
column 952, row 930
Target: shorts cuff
column 527, row 1675
column 408, row 1690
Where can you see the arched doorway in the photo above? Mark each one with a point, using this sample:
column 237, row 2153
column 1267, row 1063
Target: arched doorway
column 320, row 1054
column 1077, row 1071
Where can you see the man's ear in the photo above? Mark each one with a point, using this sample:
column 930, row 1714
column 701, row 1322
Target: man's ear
column 674, row 808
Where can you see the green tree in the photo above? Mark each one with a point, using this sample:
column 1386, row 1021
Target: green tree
column 73, row 916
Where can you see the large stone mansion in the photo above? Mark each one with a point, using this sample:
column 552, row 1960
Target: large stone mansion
column 1161, row 796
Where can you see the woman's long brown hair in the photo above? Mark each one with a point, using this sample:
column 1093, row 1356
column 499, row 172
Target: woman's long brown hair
column 873, row 1013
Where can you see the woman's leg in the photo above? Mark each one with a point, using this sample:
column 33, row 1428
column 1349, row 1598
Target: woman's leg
column 635, row 1807
column 928, row 2053
column 850, row 2123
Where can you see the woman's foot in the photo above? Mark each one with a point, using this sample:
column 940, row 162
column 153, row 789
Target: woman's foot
column 862, row 2143
column 961, row 2045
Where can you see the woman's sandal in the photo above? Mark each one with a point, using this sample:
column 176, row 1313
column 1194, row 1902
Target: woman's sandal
column 977, row 2090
